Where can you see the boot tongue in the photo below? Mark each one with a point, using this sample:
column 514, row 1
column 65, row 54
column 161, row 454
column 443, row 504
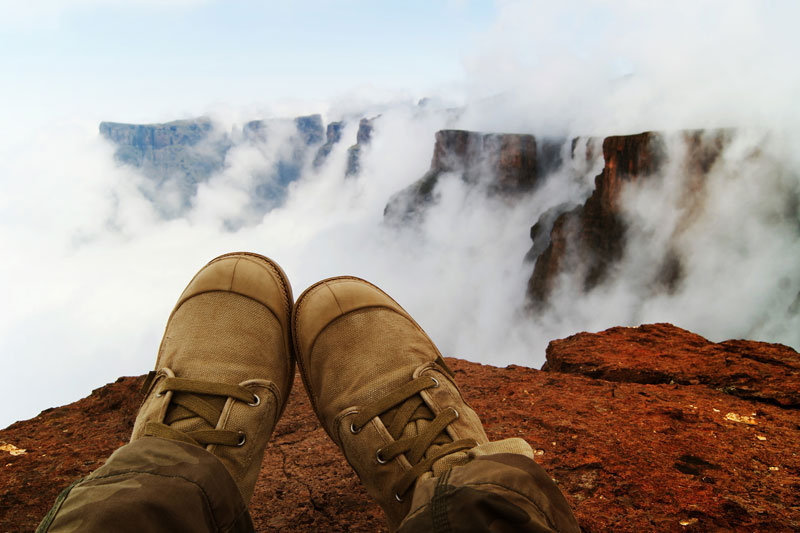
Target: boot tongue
column 184, row 420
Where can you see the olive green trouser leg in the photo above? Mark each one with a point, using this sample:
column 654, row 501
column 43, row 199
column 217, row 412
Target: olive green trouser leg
column 152, row 484
column 499, row 493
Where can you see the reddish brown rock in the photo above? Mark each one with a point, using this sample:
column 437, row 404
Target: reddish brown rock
column 593, row 234
column 629, row 456
column 510, row 157
column 587, row 240
column 663, row 353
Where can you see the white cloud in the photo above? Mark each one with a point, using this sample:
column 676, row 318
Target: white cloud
column 92, row 269
column 596, row 66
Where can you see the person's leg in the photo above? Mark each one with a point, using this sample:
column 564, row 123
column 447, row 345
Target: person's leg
column 221, row 381
column 153, row 484
column 494, row 492
column 384, row 394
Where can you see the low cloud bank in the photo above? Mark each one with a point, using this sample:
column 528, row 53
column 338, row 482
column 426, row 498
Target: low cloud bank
column 98, row 261
column 96, row 253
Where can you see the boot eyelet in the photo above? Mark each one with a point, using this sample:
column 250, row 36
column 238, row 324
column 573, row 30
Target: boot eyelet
column 435, row 381
column 353, row 429
column 159, row 394
column 242, row 439
column 256, row 401
column 456, row 412
column 379, row 458
column 397, row 497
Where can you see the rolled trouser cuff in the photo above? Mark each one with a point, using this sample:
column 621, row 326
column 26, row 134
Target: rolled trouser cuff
column 153, row 484
column 498, row 492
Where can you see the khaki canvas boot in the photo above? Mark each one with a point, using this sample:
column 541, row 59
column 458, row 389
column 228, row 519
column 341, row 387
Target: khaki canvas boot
column 224, row 368
column 383, row 392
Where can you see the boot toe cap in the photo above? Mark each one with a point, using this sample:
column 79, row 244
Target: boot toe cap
column 244, row 273
column 330, row 299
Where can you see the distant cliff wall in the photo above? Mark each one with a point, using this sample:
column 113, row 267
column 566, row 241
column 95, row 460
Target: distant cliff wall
column 184, row 153
column 504, row 163
column 587, row 240
column 182, row 149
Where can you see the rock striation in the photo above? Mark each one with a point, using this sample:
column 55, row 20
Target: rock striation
column 649, row 428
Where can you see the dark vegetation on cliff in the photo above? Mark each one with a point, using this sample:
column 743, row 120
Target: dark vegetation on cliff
column 649, row 428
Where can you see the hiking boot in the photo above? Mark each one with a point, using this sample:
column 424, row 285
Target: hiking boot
column 381, row 390
column 224, row 369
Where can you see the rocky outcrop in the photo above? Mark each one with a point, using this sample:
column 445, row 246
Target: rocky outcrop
column 310, row 130
column 505, row 163
column 181, row 154
column 649, row 428
column 182, row 149
column 363, row 138
column 148, row 138
column 587, row 240
column 759, row 371
column 187, row 152
column 333, row 134
column 308, row 134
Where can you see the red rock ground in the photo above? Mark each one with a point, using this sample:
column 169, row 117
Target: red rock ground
column 678, row 452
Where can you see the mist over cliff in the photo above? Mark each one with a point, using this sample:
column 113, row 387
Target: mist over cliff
column 499, row 242
column 103, row 228
column 701, row 229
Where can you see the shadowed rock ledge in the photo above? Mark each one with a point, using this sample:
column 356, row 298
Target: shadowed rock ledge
column 649, row 428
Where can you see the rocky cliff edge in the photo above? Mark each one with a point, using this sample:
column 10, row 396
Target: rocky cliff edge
column 648, row 428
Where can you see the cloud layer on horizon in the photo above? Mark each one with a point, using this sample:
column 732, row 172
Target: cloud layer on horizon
column 93, row 267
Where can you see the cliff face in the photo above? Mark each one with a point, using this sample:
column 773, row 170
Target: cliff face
column 504, row 163
column 184, row 150
column 181, row 154
column 649, row 428
column 272, row 182
column 363, row 138
column 148, row 138
column 333, row 134
column 590, row 238
column 184, row 153
column 585, row 240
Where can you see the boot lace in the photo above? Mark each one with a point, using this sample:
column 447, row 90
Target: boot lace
column 193, row 398
column 398, row 409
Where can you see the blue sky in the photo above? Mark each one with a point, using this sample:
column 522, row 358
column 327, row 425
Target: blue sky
column 583, row 63
column 145, row 60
